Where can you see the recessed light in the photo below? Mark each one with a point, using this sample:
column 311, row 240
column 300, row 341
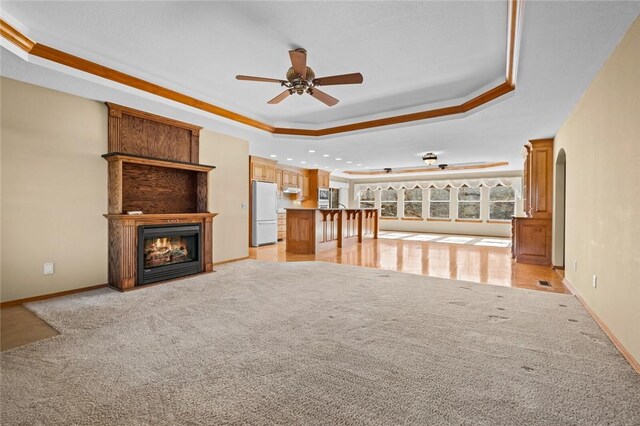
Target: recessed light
column 273, row 156
column 336, row 169
column 325, row 155
column 338, row 159
column 315, row 165
column 359, row 165
column 289, row 159
column 349, row 162
column 303, row 162
column 312, row 151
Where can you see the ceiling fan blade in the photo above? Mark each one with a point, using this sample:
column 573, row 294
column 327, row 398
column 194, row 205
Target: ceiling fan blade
column 280, row 97
column 323, row 97
column 299, row 61
column 263, row 79
column 355, row 78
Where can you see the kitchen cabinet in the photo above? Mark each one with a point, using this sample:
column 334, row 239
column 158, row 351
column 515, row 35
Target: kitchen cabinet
column 279, row 179
column 305, row 187
column 531, row 234
column 323, row 179
column 282, row 226
column 262, row 169
column 315, row 179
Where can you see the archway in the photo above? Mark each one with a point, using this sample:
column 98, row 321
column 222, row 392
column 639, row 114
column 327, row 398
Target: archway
column 560, row 209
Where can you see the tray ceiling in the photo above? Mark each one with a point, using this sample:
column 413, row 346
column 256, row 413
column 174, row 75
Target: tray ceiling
column 564, row 44
column 411, row 56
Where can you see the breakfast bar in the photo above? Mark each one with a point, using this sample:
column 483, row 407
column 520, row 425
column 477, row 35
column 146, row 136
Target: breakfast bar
column 312, row 230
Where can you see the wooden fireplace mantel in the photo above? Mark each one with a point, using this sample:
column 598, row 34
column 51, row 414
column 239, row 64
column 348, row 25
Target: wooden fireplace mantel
column 123, row 242
column 153, row 167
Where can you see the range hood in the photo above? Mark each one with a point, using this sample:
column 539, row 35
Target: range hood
column 291, row 190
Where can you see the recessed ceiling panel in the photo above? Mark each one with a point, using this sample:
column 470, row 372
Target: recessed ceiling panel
column 417, row 54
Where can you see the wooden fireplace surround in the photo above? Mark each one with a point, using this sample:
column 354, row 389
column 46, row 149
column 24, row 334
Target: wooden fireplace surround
column 152, row 167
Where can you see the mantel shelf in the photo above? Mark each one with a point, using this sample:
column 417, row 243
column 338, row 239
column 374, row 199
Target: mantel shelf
column 151, row 161
column 161, row 216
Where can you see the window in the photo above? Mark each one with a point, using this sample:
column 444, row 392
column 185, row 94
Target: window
column 502, row 202
column 439, row 200
column 413, row 202
column 389, row 204
column 367, row 199
column 469, row 203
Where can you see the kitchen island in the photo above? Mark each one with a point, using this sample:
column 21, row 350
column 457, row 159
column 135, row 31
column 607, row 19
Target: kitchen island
column 310, row 230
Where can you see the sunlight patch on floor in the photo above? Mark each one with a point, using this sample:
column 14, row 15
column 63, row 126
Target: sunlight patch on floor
column 448, row 239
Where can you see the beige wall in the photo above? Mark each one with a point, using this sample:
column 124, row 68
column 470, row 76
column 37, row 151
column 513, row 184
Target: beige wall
column 228, row 190
column 601, row 139
column 54, row 191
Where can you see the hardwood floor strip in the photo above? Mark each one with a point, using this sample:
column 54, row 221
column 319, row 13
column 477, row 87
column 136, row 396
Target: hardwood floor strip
column 237, row 259
column 49, row 296
column 625, row 353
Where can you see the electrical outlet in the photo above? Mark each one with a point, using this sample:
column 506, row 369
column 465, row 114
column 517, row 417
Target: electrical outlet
column 575, row 265
column 595, row 281
column 48, row 268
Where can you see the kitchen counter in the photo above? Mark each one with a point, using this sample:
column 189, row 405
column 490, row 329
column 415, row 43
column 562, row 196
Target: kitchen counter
column 311, row 230
column 318, row 208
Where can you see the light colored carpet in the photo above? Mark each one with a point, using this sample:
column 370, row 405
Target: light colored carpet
column 318, row 343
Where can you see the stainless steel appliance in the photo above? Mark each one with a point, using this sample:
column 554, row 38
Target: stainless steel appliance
column 323, row 198
column 264, row 213
column 334, row 198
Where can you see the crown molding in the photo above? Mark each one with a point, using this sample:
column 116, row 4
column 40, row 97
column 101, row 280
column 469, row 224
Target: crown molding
column 16, row 37
column 51, row 54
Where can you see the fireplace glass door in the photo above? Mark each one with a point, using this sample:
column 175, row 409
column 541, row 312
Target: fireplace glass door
column 168, row 252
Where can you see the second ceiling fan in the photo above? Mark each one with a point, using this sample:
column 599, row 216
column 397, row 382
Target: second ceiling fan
column 301, row 79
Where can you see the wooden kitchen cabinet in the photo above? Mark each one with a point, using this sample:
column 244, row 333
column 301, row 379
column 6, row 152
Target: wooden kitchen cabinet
column 279, row 179
column 531, row 234
column 282, row 226
column 323, row 179
column 262, row 169
column 305, row 187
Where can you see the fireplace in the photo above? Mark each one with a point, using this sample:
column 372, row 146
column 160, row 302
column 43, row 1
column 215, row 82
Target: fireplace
column 168, row 251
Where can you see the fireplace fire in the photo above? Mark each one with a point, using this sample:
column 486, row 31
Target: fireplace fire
column 166, row 252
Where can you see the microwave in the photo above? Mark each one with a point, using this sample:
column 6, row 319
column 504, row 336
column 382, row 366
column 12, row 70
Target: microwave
column 323, row 198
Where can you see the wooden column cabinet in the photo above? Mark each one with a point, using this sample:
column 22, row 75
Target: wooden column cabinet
column 531, row 234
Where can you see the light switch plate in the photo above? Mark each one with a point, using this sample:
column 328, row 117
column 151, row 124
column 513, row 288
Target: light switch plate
column 48, row 268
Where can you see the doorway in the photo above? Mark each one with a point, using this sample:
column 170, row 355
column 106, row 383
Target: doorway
column 560, row 210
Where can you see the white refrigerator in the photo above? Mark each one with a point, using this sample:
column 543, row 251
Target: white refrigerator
column 264, row 213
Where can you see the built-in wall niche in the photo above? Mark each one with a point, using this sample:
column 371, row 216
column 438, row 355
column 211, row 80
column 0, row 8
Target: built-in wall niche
column 155, row 186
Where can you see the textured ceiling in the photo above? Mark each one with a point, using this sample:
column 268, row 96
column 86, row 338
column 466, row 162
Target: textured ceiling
column 409, row 53
column 419, row 53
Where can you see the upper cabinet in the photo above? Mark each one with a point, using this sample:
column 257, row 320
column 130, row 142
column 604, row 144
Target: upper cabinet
column 262, row 169
column 308, row 181
column 305, row 187
column 323, row 179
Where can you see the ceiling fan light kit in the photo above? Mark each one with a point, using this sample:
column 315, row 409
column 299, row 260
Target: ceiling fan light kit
column 301, row 79
column 429, row 158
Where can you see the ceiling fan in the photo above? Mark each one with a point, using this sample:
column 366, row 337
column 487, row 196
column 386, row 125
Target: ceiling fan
column 301, row 79
column 434, row 168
